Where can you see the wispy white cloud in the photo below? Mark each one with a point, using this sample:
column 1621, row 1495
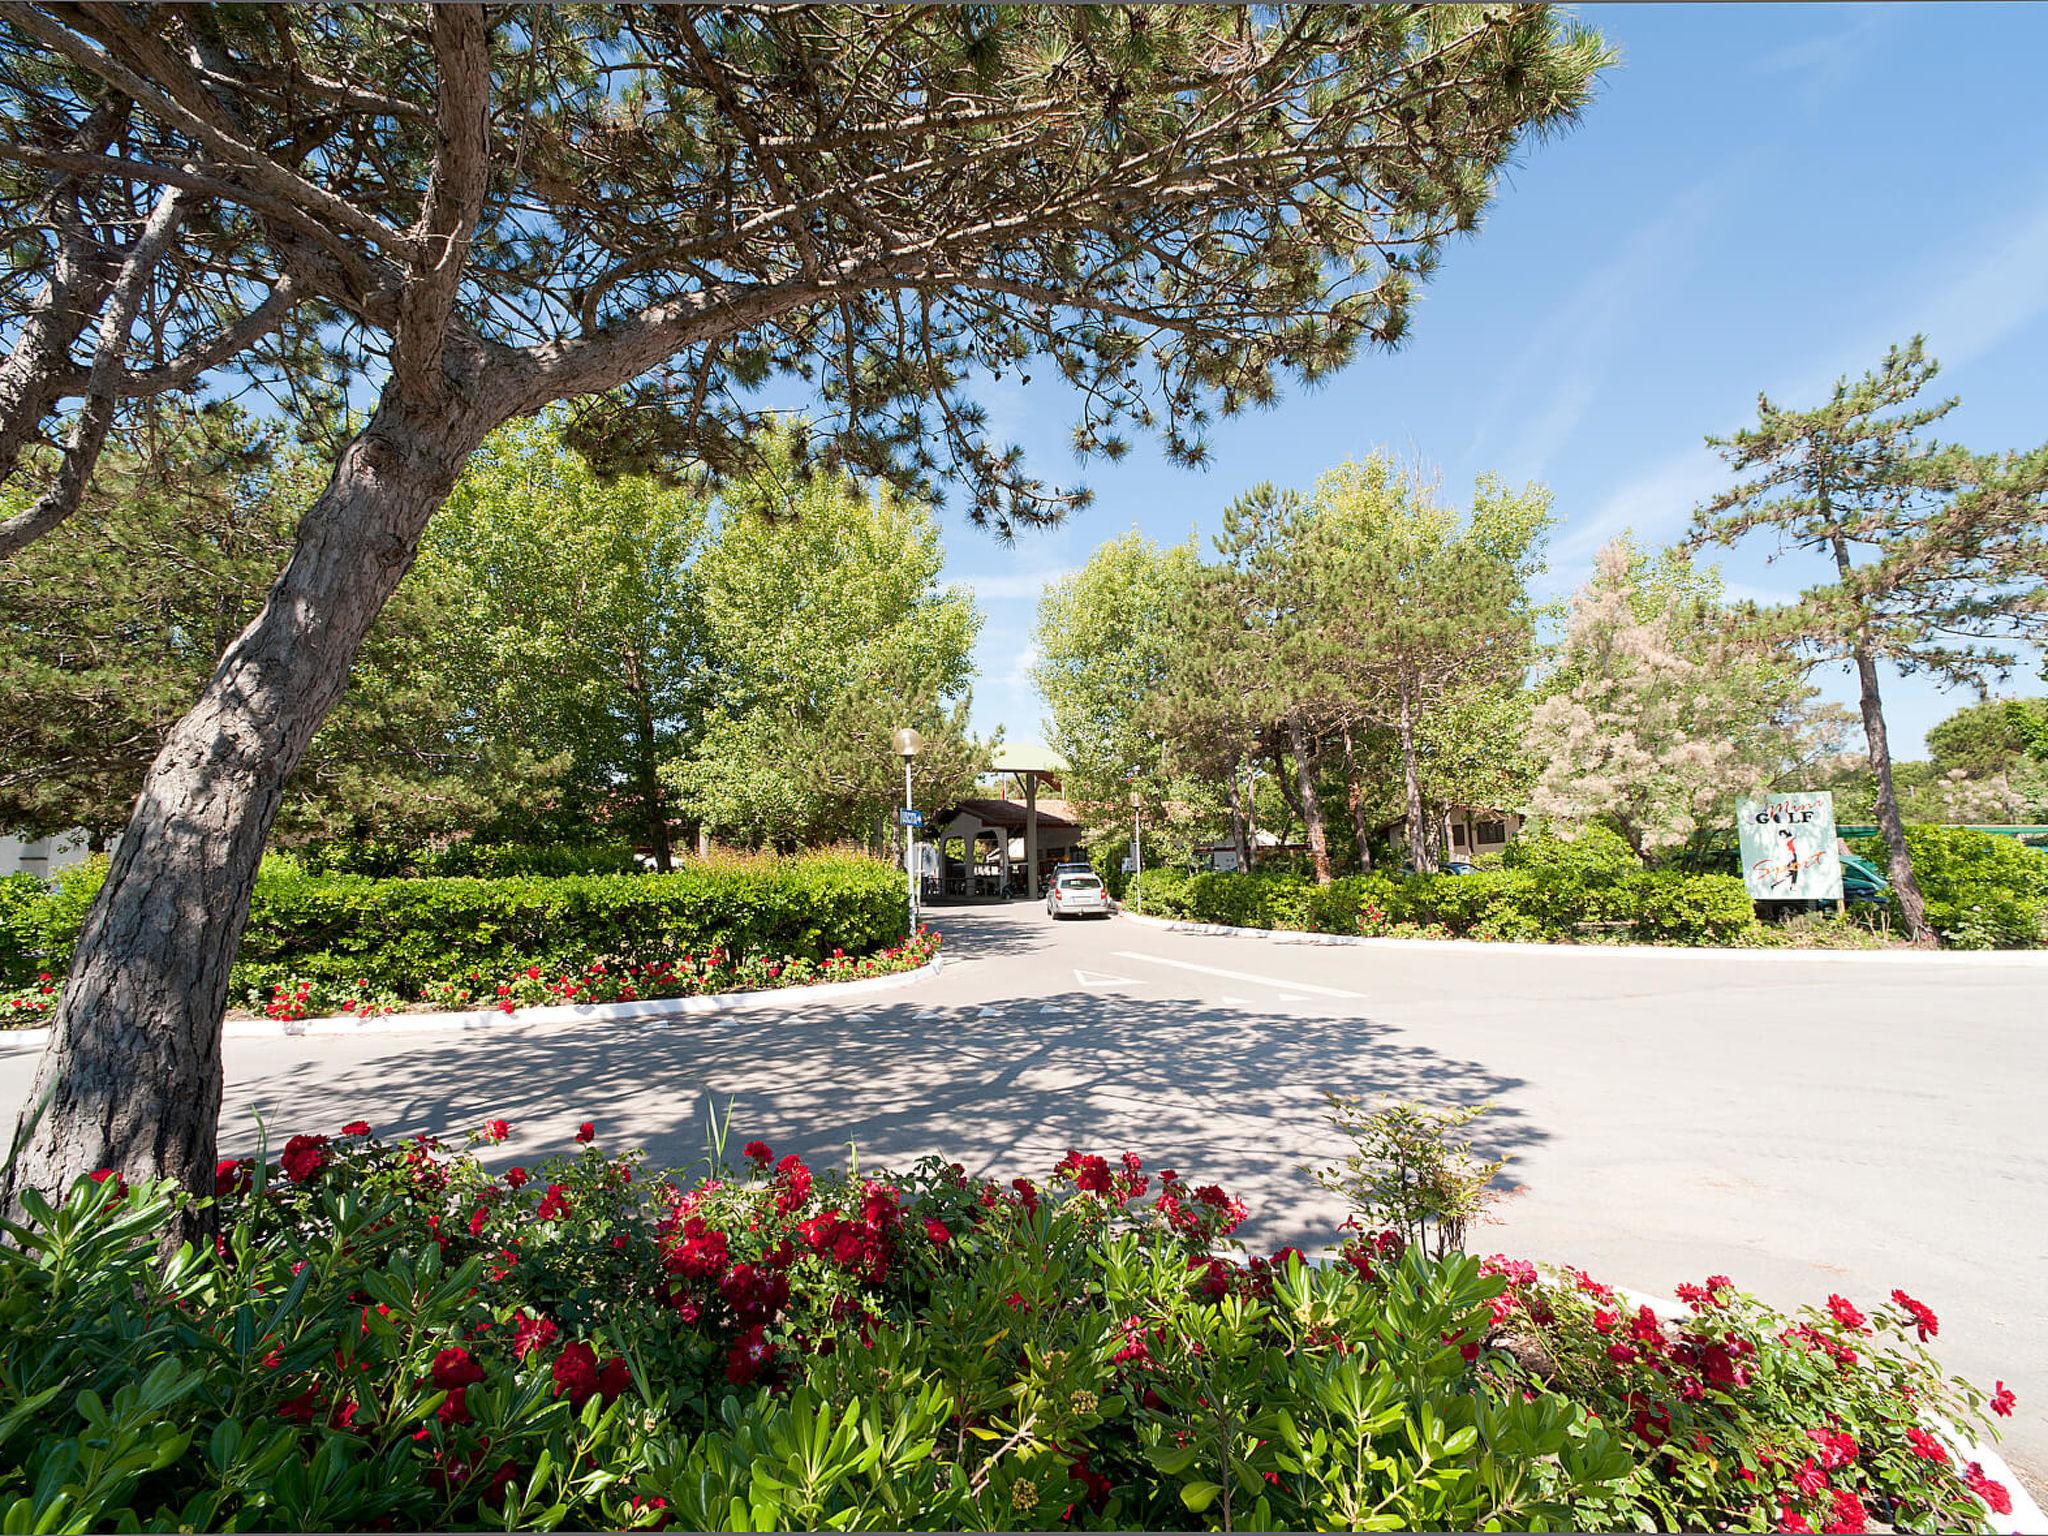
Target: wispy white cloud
column 1998, row 284
column 1655, row 504
column 1012, row 586
column 1825, row 61
column 1542, row 396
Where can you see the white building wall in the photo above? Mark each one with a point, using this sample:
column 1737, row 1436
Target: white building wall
column 43, row 856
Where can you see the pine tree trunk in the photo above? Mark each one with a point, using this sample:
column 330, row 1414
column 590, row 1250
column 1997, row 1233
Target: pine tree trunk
column 1311, row 805
column 131, row 1078
column 1354, row 799
column 1240, row 837
column 1421, row 852
column 1912, row 905
column 647, row 769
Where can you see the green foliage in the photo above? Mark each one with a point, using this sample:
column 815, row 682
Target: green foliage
column 400, row 935
column 1519, row 904
column 466, row 856
column 826, row 628
column 1411, row 1172
column 1982, row 891
column 396, row 1336
column 1591, row 853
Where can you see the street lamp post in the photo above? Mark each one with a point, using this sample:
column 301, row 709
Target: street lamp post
column 908, row 744
column 1137, row 853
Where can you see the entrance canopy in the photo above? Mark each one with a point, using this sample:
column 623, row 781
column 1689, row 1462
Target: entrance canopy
column 1031, row 764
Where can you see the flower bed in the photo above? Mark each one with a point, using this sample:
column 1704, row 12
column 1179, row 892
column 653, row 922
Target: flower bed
column 395, row 1336
column 710, row 974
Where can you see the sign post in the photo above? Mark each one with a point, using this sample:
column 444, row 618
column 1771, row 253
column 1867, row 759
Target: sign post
column 1788, row 847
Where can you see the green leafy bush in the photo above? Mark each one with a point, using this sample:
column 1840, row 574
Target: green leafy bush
column 1523, row 903
column 1593, row 853
column 401, row 935
column 1983, row 892
column 397, row 1336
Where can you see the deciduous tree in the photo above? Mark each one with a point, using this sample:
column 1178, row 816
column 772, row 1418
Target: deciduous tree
column 1660, row 713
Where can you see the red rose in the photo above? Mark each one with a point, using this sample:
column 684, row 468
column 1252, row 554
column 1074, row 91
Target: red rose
column 1809, row 1479
column 1922, row 1315
column 1925, row 1446
column 515, row 1177
column 586, row 1130
column 1844, row 1312
column 1849, row 1516
column 554, row 1204
column 2002, row 1401
column 303, row 1157
column 101, row 1175
column 613, row 1380
column 455, row 1367
column 758, row 1153
column 1837, row 1450
column 937, row 1231
column 575, row 1373
column 532, row 1333
column 356, row 1128
column 1994, row 1494
column 750, row 1355
column 495, row 1130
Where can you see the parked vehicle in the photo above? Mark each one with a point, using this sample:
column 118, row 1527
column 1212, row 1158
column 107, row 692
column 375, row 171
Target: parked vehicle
column 1072, row 869
column 1461, row 867
column 1076, row 895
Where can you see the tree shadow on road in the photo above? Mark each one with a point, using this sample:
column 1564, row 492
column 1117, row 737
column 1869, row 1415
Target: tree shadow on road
column 1222, row 1094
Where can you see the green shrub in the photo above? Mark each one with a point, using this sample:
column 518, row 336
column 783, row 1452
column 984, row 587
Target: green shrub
column 1593, row 853
column 1524, row 903
column 398, row 1337
column 20, row 898
column 468, row 857
column 401, row 935
column 1982, row 892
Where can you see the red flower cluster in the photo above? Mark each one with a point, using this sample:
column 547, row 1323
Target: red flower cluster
column 303, row 1157
column 1994, row 1494
column 578, row 1376
column 1922, row 1315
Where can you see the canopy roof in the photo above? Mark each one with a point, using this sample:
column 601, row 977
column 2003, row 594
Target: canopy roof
column 1006, row 814
column 1027, row 757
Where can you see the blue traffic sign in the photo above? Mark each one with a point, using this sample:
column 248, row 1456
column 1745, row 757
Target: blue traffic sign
column 909, row 818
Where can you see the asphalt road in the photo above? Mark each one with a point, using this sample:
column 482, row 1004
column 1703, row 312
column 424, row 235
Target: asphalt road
column 1804, row 1126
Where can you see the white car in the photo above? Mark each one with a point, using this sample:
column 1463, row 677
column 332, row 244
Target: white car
column 1076, row 895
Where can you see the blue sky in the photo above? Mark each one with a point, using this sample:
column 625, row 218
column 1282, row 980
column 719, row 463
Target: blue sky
column 1760, row 198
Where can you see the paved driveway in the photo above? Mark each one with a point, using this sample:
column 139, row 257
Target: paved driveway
column 1803, row 1126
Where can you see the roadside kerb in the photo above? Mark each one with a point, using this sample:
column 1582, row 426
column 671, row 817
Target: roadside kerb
column 1669, row 951
column 775, row 999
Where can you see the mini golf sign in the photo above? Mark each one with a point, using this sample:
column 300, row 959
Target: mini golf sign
column 1788, row 847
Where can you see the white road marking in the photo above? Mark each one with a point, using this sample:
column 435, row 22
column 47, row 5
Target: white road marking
column 1104, row 979
column 1217, row 970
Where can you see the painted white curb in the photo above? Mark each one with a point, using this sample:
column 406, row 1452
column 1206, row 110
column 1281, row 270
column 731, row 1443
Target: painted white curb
column 776, row 999
column 1977, row 957
column 2026, row 1518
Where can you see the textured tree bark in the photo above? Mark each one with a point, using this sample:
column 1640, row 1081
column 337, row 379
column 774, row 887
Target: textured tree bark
column 1311, row 805
column 1912, row 905
column 1421, row 851
column 647, row 770
column 1240, row 832
column 1354, row 799
column 131, row 1079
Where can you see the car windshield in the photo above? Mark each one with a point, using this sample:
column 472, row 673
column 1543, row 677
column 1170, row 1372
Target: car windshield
column 1080, row 883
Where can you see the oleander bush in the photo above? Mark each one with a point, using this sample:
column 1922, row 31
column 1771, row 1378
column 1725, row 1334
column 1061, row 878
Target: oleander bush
column 1982, row 892
column 398, row 1336
column 400, row 936
column 1519, row 903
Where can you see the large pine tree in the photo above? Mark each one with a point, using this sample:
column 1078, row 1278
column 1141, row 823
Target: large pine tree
column 1938, row 554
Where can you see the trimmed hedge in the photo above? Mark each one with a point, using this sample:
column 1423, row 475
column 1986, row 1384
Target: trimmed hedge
column 488, row 861
column 402, row 934
column 1524, row 903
